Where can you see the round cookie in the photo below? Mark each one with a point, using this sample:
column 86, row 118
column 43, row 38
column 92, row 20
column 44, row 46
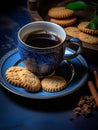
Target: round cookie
column 60, row 12
column 30, row 81
column 13, row 75
column 83, row 27
column 53, row 84
column 72, row 31
column 88, row 38
column 64, row 22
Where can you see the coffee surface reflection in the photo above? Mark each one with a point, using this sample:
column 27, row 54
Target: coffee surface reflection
column 41, row 39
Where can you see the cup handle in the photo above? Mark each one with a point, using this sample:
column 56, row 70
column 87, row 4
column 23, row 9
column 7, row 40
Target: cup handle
column 76, row 41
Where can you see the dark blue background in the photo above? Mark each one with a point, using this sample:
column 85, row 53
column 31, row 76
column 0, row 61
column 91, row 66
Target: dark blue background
column 18, row 113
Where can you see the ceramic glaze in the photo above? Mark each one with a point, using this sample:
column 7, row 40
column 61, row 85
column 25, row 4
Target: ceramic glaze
column 44, row 60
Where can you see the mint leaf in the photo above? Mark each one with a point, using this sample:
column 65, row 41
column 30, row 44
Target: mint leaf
column 93, row 24
column 77, row 5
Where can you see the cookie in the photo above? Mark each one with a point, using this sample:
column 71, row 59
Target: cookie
column 60, row 12
column 64, row 22
column 88, row 38
column 83, row 27
column 72, row 31
column 13, row 75
column 30, row 81
column 53, row 84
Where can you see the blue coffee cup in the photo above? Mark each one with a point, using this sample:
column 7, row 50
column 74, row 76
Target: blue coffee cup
column 43, row 61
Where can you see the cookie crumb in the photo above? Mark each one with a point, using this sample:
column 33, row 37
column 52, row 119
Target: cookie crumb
column 85, row 106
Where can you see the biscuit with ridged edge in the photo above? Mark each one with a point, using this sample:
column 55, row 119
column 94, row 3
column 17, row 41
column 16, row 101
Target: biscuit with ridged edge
column 64, row 22
column 72, row 31
column 13, row 75
column 30, row 81
column 60, row 12
column 88, row 38
column 54, row 83
column 83, row 27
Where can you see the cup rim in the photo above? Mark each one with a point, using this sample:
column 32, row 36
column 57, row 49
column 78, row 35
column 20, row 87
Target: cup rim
column 44, row 48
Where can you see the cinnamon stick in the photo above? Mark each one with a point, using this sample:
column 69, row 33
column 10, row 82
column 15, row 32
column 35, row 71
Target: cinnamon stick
column 96, row 78
column 93, row 91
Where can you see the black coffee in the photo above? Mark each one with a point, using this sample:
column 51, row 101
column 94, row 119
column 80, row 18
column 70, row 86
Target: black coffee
column 41, row 39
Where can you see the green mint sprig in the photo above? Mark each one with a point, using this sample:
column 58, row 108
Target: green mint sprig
column 93, row 24
column 77, row 5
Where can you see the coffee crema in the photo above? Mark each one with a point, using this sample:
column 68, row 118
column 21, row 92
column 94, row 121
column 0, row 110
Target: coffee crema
column 41, row 39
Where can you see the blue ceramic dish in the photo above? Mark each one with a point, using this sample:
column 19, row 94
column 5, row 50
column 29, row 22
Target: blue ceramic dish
column 78, row 65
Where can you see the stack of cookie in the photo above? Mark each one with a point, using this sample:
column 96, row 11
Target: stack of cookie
column 81, row 31
column 62, row 16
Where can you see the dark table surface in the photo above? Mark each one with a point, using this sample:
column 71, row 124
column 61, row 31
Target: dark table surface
column 20, row 113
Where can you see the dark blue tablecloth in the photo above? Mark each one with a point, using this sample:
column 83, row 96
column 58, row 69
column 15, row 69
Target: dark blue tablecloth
column 10, row 22
column 19, row 113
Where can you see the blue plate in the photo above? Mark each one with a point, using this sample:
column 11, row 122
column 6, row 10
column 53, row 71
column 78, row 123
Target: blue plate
column 75, row 71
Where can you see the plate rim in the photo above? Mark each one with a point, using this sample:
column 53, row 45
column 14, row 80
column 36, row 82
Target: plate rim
column 10, row 53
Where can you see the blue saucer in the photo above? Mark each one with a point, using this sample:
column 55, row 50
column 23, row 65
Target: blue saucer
column 75, row 71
